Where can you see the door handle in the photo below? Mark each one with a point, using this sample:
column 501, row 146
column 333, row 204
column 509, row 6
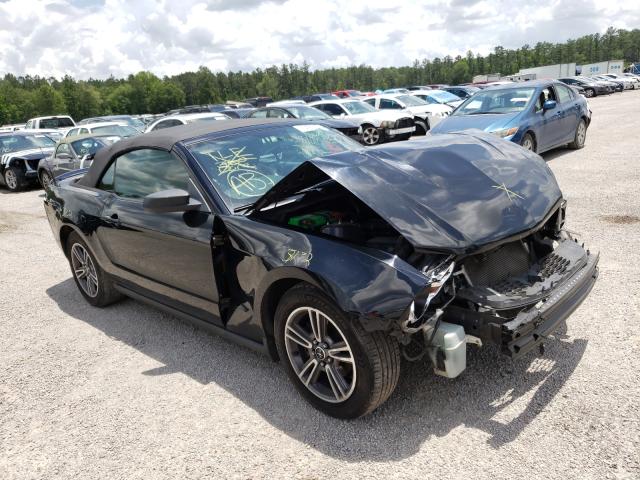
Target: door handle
column 112, row 219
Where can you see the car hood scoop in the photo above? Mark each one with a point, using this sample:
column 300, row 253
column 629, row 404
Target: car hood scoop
column 452, row 192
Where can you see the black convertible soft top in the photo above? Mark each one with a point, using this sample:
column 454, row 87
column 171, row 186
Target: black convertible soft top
column 166, row 138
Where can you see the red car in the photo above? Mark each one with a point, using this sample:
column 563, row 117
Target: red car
column 347, row 93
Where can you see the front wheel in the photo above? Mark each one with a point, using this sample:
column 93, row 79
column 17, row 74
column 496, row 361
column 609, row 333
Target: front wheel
column 341, row 369
column 580, row 135
column 589, row 92
column 370, row 135
column 45, row 179
column 528, row 143
column 94, row 284
column 14, row 179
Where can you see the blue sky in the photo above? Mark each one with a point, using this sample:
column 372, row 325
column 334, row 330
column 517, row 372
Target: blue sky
column 99, row 38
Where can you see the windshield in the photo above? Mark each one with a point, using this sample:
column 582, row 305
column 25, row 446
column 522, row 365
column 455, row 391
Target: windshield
column 411, row 101
column 244, row 167
column 87, row 146
column 58, row 122
column 355, row 108
column 308, row 113
column 442, row 96
column 120, row 130
column 15, row 143
column 496, row 101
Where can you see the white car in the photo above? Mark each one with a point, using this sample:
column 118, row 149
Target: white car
column 426, row 115
column 12, row 128
column 629, row 82
column 377, row 125
column 58, row 122
column 438, row 97
column 104, row 128
column 183, row 119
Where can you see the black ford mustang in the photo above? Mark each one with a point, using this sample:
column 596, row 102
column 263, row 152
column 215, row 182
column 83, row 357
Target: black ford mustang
column 295, row 240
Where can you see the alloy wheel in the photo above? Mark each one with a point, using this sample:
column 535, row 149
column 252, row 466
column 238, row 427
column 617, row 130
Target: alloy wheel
column 320, row 354
column 11, row 179
column 371, row 136
column 588, row 93
column 45, row 180
column 527, row 143
column 581, row 133
column 84, row 270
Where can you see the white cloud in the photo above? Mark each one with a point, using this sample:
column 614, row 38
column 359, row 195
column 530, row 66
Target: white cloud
column 99, row 38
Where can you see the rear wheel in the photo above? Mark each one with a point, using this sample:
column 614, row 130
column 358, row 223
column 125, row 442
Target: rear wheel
column 341, row 369
column 14, row 179
column 370, row 135
column 528, row 142
column 580, row 135
column 94, row 284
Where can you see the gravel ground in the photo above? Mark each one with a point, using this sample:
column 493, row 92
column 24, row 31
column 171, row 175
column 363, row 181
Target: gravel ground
column 130, row 392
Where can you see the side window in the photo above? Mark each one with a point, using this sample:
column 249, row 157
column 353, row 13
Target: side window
column 167, row 124
column 333, row 109
column 259, row 114
column 546, row 94
column 389, row 104
column 72, row 132
column 371, row 101
column 138, row 173
column 63, row 148
column 83, row 130
column 277, row 113
column 564, row 93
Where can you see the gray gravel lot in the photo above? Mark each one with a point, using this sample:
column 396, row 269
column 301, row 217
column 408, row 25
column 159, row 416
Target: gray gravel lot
column 130, row 392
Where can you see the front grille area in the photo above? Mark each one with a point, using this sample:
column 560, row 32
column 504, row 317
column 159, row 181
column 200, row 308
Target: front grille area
column 510, row 260
column 404, row 123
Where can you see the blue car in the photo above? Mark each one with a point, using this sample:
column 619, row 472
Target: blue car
column 539, row 115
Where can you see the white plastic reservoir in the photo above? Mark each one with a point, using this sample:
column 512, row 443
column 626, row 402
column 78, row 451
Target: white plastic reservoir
column 450, row 340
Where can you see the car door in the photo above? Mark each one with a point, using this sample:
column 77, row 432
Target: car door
column 163, row 256
column 62, row 161
column 571, row 113
column 549, row 121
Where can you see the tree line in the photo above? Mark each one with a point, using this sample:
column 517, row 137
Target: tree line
column 25, row 97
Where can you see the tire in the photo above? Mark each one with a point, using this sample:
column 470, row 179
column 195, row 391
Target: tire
column 370, row 135
column 45, row 179
column 580, row 135
column 528, row 142
column 95, row 286
column 367, row 364
column 589, row 92
column 421, row 128
column 14, row 179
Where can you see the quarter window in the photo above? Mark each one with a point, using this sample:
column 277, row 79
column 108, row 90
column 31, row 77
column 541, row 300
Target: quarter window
column 142, row 172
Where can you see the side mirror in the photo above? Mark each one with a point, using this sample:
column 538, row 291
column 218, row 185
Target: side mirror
column 549, row 105
column 174, row 200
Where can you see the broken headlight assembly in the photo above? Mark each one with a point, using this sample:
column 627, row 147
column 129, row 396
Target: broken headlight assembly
column 428, row 305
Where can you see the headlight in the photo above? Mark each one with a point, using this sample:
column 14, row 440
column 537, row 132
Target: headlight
column 387, row 124
column 507, row 132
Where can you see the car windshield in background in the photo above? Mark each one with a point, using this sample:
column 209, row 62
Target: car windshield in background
column 244, row 167
column 87, row 146
column 56, row 123
column 444, row 97
column 355, row 108
column 308, row 113
column 355, row 93
column 212, row 118
column 15, row 143
column 411, row 100
column 120, row 130
column 496, row 101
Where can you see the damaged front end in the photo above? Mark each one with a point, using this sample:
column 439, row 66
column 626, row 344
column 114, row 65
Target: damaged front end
column 513, row 295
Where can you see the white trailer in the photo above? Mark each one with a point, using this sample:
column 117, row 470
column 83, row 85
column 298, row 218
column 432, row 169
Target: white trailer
column 491, row 77
column 612, row 66
column 550, row 71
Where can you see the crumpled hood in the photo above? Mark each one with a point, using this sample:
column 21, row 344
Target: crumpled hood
column 451, row 193
column 488, row 122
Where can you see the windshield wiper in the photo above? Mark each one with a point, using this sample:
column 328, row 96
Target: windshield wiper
column 317, row 187
column 485, row 113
